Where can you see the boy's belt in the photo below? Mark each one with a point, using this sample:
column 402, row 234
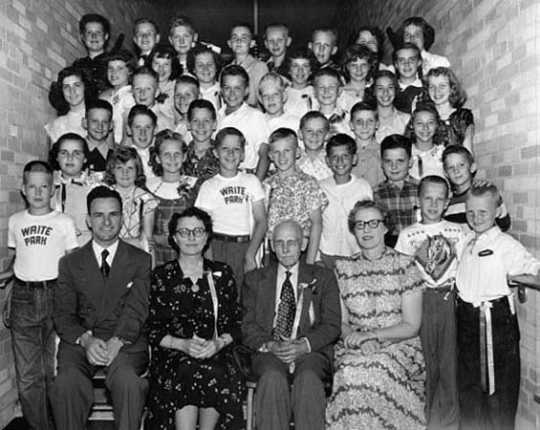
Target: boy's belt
column 228, row 238
column 35, row 284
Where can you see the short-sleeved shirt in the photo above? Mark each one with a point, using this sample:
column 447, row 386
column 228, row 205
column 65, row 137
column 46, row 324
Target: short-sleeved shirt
column 256, row 69
column 336, row 239
column 68, row 123
column 435, row 247
column 368, row 165
column 315, row 167
column 396, row 124
column 122, row 101
column 407, row 94
column 293, row 197
column 401, row 204
column 200, row 168
column 427, row 162
column 252, row 123
column 288, row 120
column 70, row 198
column 40, row 241
column 486, row 262
column 299, row 102
column 229, row 202
column 212, row 94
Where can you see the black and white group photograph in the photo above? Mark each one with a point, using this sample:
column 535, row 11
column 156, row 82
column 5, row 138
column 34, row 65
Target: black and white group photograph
column 270, row 214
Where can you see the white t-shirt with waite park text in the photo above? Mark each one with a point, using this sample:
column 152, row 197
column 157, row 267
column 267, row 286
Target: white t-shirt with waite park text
column 229, row 202
column 40, row 241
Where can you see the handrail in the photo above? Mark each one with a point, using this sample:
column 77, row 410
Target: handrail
column 5, row 278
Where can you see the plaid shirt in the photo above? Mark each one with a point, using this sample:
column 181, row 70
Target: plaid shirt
column 401, row 205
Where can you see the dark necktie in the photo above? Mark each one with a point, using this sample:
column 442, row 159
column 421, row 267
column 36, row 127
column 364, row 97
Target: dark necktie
column 286, row 310
column 105, row 268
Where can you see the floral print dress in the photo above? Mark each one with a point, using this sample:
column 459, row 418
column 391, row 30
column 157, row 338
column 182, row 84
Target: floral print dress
column 181, row 308
column 385, row 389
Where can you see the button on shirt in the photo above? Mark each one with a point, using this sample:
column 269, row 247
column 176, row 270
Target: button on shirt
column 98, row 249
column 486, row 262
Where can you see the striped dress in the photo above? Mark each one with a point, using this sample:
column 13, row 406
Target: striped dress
column 383, row 390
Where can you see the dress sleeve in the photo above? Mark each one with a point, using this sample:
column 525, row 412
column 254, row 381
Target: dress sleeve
column 316, row 197
column 232, row 312
column 159, row 318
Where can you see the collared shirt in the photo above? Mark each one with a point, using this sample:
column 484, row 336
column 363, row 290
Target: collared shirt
column 288, row 120
column 401, row 204
column 315, row 167
column 98, row 249
column 299, row 102
column 487, row 261
column 427, row 162
column 395, row 124
column 368, row 164
column 200, row 168
column 282, row 69
column 339, row 122
column 252, row 123
column 212, row 94
column 71, row 122
column 122, row 101
column 283, row 201
column 256, row 69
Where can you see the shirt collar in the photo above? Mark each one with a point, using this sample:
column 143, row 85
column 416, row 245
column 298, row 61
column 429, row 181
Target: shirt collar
column 416, row 83
column 97, row 248
column 282, row 269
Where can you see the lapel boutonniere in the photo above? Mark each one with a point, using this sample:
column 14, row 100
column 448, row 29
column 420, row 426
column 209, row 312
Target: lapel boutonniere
column 309, row 285
column 185, row 187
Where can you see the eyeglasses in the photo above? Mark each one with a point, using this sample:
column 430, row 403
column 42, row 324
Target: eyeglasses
column 372, row 223
column 186, row 232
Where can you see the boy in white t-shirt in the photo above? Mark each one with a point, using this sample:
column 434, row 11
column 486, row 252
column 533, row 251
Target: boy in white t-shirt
column 436, row 245
column 343, row 190
column 38, row 237
column 235, row 201
column 250, row 121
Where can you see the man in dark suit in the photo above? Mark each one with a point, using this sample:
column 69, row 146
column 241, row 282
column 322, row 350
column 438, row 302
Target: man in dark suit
column 100, row 309
column 292, row 318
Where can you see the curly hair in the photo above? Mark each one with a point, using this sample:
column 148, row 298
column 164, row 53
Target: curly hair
column 364, row 204
column 121, row 155
column 162, row 137
column 358, row 52
column 53, row 153
column 192, row 212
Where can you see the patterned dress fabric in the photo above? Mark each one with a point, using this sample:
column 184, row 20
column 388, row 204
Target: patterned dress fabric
column 452, row 130
column 181, row 308
column 385, row 389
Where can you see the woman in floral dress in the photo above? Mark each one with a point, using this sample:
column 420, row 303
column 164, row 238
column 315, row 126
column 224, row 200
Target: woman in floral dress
column 379, row 366
column 194, row 321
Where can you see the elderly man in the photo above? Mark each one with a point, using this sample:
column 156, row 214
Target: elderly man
column 292, row 318
column 100, row 308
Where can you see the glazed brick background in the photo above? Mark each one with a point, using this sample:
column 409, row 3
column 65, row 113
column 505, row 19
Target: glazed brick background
column 37, row 39
column 494, row 48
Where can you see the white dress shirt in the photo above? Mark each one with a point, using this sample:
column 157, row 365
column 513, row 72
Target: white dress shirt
column 98, row 249
column 487, row 261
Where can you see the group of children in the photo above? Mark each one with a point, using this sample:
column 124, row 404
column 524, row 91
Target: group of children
column 302, row 134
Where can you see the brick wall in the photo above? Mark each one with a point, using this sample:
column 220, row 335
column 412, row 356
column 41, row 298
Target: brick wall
column 37, row 39
column 493, row 46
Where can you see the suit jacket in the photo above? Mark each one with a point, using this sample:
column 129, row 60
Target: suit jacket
column 321, row 291
column 115, row 306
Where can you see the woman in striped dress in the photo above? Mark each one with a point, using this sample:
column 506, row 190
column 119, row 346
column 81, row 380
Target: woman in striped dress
column 379, row 378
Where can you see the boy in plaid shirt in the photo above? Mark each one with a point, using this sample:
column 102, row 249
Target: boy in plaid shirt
column 398, row 194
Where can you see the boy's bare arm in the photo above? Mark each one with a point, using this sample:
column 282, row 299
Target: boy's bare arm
column 314, row 236
column 528, row 280
column 264, row 162
column 259, row 231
